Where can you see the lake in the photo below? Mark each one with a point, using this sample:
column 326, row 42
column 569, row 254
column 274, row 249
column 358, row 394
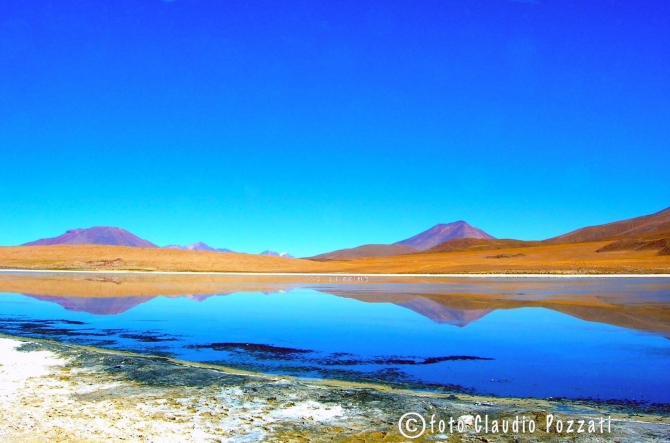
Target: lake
column 599, row 338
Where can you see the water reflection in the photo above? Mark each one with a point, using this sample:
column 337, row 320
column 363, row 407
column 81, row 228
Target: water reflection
column 635, row 303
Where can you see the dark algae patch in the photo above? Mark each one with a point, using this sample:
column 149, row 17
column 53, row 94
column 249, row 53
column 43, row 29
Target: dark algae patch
column 70, row 322
column 341, row 359
column 252, row 348
column 423, row 361
column 385, row 370
column 149, row 337
column 78, row 332
column 51, row 328
column 334, row 359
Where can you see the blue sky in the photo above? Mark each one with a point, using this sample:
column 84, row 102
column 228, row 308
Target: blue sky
column 313, row 126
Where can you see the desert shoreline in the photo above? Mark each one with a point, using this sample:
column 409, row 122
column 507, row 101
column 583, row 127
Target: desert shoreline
column 334, row 274
column 50, row 390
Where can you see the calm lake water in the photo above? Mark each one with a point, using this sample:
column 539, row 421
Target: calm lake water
column 576, row 338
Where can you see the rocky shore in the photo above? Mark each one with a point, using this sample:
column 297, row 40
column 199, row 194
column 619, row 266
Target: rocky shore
column 50, row 392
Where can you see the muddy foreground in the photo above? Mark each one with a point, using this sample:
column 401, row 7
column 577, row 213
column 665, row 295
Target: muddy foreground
column 51, row 392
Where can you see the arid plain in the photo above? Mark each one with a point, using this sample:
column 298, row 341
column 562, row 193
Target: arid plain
column 569, row 258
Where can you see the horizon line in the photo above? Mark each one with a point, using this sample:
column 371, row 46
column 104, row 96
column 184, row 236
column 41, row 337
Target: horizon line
column 333, row 274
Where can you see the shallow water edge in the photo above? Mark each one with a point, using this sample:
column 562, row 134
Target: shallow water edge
column 231, row 405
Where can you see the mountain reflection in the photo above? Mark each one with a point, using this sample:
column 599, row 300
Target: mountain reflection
column 640, row 304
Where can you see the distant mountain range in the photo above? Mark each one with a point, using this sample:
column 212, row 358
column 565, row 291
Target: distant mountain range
column 649, row 232
column 277, row 254
column 199, row 246
column 103, row 235
column 99, row 235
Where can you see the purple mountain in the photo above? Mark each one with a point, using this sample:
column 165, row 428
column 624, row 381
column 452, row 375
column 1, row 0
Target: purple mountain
column 443, row 232
column 99, row 235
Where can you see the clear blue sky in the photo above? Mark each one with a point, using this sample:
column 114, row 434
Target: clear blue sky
column 309, row 126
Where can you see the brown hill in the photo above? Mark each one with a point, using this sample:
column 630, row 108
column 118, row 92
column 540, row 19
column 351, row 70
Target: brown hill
column 366, row 251
column 652, row 226
column 478, row 244
column 646, row 233
column 567, row 258
column 98, row 235
column 442, row 232
column 662, row 245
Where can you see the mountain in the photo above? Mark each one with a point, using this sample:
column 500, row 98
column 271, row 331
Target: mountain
column 366, row 251
column 425, row 240
column 442, row 232
column 277, row 254
column 199, row 246
column 99, row 235
column 654, row 226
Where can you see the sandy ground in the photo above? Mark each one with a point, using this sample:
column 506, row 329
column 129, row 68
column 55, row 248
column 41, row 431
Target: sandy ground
column 57, row 393
column 574, row 258
column 48, row 397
